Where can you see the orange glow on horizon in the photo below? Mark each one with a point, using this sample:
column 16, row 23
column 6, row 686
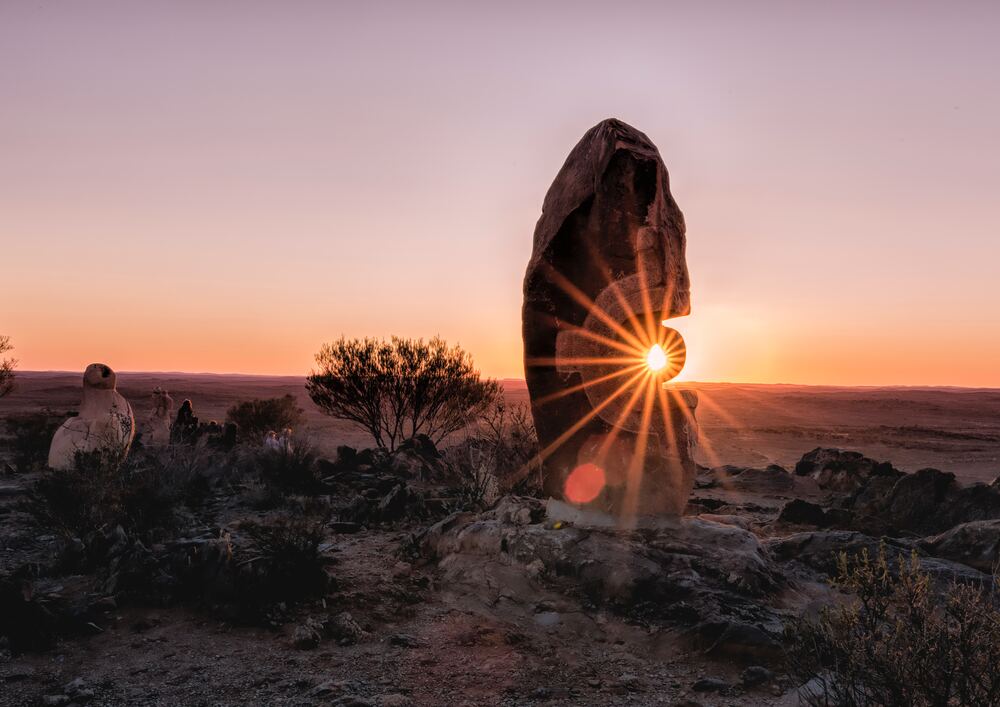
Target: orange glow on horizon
column 227, row 209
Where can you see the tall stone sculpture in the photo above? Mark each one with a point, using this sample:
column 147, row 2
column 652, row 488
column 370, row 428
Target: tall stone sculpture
column 105, row 422
column 606, row 270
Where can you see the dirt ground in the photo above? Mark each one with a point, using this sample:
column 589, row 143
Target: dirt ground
column 428, row 643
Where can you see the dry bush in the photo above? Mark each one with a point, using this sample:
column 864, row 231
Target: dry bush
column 255, row 418
column 499, row 454
column 7, row 366
column 141, row 494
column 899, row 641
column 289, row 469
column 284, row 564
column 400, row 388
column 31, row 435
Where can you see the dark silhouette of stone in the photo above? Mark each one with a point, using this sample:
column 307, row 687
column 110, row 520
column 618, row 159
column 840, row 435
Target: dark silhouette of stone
column 976, row 544
column 839, row 470
column 608, row 259
column 800, row 512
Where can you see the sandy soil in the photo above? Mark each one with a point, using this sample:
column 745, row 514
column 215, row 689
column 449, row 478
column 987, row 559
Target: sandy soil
column 427, row 643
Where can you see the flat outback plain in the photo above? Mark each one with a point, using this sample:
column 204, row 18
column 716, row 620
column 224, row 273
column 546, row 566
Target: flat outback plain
column 423, row 605
column 952, row 429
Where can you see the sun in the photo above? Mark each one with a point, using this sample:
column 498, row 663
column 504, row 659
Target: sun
column 656, row 358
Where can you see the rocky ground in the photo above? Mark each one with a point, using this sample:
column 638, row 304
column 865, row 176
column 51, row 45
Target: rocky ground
column 428, row 598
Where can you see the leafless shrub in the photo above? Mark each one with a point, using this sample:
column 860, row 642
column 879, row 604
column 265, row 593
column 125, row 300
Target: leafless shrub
column 499, row 454
column 898, row 641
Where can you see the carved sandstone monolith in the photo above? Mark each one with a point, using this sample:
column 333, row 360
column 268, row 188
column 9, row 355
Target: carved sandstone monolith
column 606, row 270
column 105, row 423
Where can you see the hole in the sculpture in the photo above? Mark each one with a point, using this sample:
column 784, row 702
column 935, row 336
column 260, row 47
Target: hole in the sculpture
column 657, row 358
column 585, row 483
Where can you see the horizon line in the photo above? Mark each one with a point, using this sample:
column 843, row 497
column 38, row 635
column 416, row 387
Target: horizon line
column 904, row 386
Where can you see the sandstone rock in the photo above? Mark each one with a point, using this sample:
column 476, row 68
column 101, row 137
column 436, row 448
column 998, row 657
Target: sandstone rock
column 976, row 544
column 839, row 470
column 739, row 639
column 800, row 512
column 771, row 480
column 345, row 629
column 756, row 675
column 608, row 251
column 928, row 501
column 105, row 423
column 687, row 570
column 711, row 684
column 307, row 635
column 820, row 549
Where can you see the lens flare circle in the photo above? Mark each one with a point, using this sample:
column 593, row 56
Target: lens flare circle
column 585, row 483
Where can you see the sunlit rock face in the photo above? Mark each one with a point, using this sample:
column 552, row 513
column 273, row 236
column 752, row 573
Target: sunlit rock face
column 606, row 269
column 105, row 422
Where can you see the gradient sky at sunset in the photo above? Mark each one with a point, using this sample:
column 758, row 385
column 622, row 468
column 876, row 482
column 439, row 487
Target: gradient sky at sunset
column 222, row 186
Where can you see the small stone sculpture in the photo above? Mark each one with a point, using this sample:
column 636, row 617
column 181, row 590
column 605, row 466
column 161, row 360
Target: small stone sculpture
column 158, row 427
column 105, row 422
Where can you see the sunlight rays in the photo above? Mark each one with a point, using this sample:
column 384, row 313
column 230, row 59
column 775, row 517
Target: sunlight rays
column 646, row 352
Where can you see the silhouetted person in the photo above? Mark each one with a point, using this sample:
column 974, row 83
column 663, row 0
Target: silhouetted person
column 185, row 429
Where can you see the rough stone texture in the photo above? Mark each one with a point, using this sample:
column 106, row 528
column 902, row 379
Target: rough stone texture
column 976, row 544
column 773, row 479
column 820, row 549
column 105, row 422
column 610, row 242
column 839, row 470
column 714, row 579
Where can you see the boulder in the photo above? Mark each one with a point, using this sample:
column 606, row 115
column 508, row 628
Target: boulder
column 840, row 470
column 770, row 480
column 716, row 580
column 819, row 550
column 608, row 256
column 926, row 502
column 800, row 512
column 976, row 544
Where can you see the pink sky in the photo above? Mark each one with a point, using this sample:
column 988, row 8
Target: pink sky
column 223, row 186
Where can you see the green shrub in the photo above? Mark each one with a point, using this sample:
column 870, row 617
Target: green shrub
column 290, row 468
column 7, row 366
column 255, row 418
column 284, row 565
column 31, row 435
column 900, row 642
column 141, row 493
column 401, row 388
